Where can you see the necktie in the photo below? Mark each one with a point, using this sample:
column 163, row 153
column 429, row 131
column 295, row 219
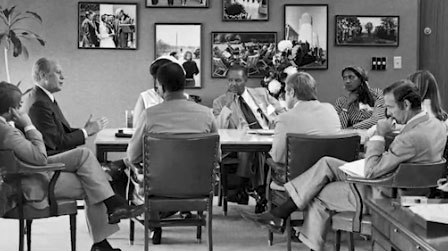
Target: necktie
column 248, row 114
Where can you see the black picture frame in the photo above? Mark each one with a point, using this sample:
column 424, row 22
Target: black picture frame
column 311, row 20
column 177, row 4
column 245, row 10
column 181, row 38
column 253, row 50
column 116, row 36
column 356, row 30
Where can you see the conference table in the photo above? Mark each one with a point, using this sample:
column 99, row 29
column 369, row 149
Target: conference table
column 232, row 140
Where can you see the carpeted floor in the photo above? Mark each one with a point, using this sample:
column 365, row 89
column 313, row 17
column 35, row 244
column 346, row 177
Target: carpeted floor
column 229, row 233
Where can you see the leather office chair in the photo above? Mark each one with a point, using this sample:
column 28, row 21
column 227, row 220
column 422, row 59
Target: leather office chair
column 178, row 172
column 407, row 175
column 302, row 152
column 14, row 169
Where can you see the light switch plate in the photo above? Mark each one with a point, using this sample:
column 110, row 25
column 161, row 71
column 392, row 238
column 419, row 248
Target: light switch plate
column 397, row 62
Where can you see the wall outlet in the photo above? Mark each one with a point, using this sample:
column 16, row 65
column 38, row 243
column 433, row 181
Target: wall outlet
column 397, row 62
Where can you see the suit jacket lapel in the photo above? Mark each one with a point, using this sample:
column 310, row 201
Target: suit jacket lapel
column 55, row 107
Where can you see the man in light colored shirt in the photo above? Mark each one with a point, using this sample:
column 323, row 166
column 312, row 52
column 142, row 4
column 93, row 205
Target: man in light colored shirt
column 306, row 115
column 322, row 189
column 46, row 114
column 246, row 108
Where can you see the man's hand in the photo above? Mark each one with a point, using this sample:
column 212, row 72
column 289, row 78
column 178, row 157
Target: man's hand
column 385, row 126
column 21, row 120
column 230, row 98
column 93, row 127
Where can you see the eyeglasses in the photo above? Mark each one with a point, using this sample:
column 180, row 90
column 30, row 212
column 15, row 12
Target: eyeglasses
column 350, row 77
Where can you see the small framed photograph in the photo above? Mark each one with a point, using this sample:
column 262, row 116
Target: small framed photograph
column 245, row 10
column 353, row 30
column 306, row 27
column 253, row 50
column 107, row 25
column 182, row 41
column 177, row 3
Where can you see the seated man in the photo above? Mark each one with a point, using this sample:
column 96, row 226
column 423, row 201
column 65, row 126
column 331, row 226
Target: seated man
column 306, row 115
column 45, row 113
column 83, row 177
column 174, row 115
column 322, row 189
column 243, row 108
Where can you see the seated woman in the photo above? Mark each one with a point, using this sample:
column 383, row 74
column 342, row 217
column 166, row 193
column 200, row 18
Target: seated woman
column 363, row 106
column 429, row 91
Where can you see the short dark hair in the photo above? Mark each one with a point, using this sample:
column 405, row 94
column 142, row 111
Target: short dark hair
column 237, row 67
column 172, row 77
column 405, row 90
column 154, row 67
column 7, row 97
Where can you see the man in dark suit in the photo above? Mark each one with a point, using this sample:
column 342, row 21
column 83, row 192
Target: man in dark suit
column 46, row 115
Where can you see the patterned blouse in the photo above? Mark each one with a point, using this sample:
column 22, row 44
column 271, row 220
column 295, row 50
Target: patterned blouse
column 361, row 116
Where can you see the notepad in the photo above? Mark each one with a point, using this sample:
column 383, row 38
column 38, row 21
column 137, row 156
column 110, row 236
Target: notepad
column 354, row 168
column 432, row 212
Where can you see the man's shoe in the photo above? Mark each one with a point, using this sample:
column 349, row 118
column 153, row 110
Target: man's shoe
column 96, row 248
column 125, row 212
column 240, row 197
column 267, row 220
column 157, row 236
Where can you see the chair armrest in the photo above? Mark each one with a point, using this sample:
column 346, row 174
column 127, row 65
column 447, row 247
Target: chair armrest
column 25, row 168
column 385, row 181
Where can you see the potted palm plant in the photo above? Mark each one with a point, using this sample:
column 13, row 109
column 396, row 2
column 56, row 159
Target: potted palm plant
column 12, row 35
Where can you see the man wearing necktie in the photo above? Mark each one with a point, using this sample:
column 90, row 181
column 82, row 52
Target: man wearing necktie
column 246, row 108
column 46, row 114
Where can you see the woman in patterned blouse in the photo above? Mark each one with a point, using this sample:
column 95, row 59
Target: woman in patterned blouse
column 363, row 106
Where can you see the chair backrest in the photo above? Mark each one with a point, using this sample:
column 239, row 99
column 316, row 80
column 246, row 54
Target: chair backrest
column 8, row 162
column 252, row 60
column 218, row 63
column 179, row 165
column 410, row 175
column 303, row 151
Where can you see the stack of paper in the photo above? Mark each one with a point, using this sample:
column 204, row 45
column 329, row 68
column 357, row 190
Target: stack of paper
column 432, row 212
column 354, row 168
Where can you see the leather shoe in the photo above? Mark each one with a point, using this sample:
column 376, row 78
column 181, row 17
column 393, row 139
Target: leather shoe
column 124, row 212
column 241, row 197
column 96, row 248
column 267, row 220
column 157, row 236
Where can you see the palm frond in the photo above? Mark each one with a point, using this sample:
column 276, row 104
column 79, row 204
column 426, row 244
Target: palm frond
column 25, row 53
column 29, row 34
column 17, row 44
column 35, row 15
column 2, row 17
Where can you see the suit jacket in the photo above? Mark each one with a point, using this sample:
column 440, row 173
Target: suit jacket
column 28, row 147
column 308, row 117
column 422, row 140
column 174, row 115
column 233, row 118
column 46, row 115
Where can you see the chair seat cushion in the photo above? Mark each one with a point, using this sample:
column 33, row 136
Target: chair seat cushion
column 65, row 207
column 344, row 221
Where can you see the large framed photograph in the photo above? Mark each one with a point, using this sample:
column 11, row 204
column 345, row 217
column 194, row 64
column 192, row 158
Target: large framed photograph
column 107, row 25
column 353, row 30
column 253, row 50
column 245, row 10
column 182, row 41
column 177, row 3
column 306, row 26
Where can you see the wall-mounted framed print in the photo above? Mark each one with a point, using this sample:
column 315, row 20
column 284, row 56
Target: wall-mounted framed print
column 353, row 30
column 253, row 50
column 306, row 26
column 177, row 3
column 182, row 41
column 245, row 10
column 107, row 25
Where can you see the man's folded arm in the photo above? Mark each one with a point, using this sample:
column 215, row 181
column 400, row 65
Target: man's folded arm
column 29, row 149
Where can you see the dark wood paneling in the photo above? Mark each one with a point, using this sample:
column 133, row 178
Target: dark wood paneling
column 433, row 52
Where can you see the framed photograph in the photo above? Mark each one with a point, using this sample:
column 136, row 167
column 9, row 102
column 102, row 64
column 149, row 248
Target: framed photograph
column 107, row 25
column 182, row 41
column 306, row 27
column 352, row 30
column 253, row 50
column 245, row 10
column 177, row 3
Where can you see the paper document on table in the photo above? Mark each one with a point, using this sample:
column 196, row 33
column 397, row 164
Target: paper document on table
column 261, row 132
column 354, row 168
column 432, row 212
